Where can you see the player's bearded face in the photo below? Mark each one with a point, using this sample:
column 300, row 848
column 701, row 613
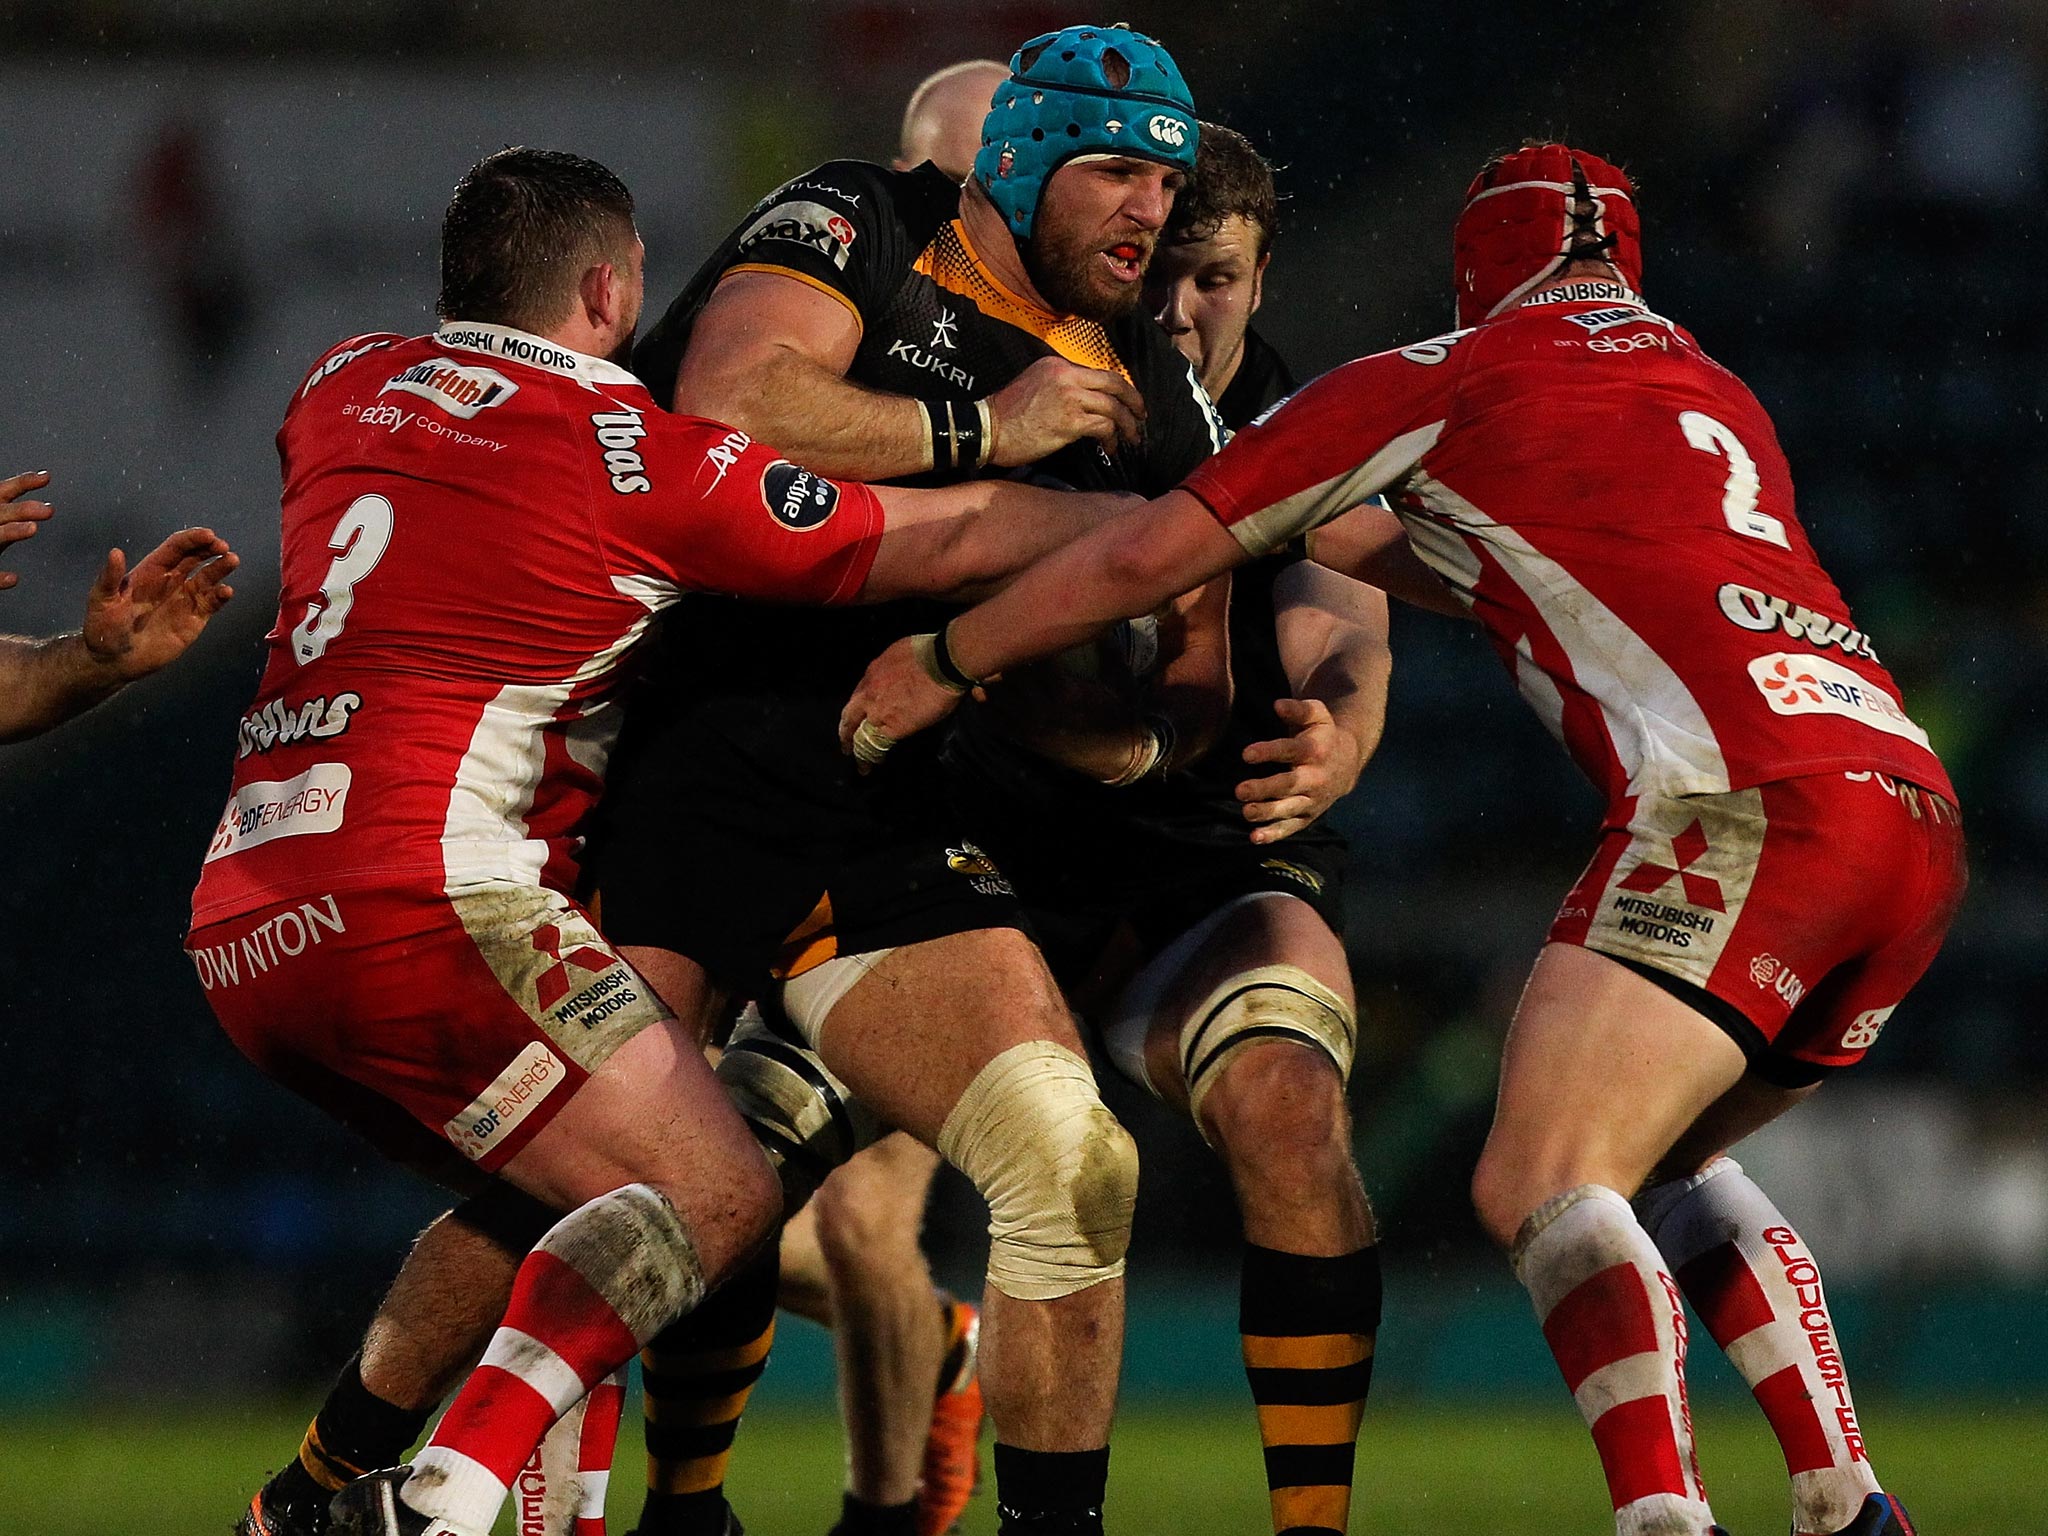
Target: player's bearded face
column 1097, row 226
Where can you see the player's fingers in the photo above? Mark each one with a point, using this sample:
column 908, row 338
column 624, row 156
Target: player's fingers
column 1253, row 793
column 1282, row 749
column 7, row 579
column 1125, row 392
column 15, row 485
column 1301, row 711
column 111, row 574
column 21, row 520
column 185, row 544
column 871, row 744
column 1282, row 808
column 1273, row 832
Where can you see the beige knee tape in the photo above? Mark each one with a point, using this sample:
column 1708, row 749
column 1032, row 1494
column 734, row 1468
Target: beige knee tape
column 1269, row 1002
column 1059, row 1173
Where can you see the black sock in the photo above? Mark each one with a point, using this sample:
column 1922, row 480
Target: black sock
column 695, row 1378
column 1050, row 1493
column 857, row 1517
column 356, row 1431
column 1308, row 1327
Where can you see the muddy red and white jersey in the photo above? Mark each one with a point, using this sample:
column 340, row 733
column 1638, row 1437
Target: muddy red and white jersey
column 477, row 525
column 1614, row 508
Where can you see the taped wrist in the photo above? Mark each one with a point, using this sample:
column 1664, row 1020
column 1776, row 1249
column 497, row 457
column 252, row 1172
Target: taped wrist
column 1268, row 1002
column 935, row 656
column 961, row 435
column 1060, row 1175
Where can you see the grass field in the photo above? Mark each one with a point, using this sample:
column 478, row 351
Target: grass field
column 1964, row 1470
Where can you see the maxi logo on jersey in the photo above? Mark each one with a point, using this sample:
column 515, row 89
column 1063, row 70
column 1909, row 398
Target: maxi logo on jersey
column 461, row 389
column 803, row 222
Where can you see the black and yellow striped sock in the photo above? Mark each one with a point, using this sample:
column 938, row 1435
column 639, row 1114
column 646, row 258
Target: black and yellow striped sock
column 357, row 1431
column 695, row 1379
column 1308, row 1326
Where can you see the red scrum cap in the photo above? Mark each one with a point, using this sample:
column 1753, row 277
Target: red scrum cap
column 1518, row 227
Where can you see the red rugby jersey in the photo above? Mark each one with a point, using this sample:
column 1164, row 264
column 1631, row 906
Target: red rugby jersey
column 477, row 525
column 1614, row 508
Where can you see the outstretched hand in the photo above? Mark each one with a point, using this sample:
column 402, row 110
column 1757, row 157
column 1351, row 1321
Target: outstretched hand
column 138, row 620
column 18, row 518
column 1322, row 764
column 896, row 698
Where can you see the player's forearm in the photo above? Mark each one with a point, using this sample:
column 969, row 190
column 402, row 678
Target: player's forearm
column 1007, row 526
column 43, row 683
column 1129, row 567
column 811, row 415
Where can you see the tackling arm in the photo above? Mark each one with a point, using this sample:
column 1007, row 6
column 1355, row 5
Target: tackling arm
column 1333, row 643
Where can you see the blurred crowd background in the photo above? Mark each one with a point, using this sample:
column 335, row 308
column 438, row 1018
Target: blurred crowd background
column 1843, row 199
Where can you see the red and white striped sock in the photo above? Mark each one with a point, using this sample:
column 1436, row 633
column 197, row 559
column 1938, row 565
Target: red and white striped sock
column 1614, row 1320
column 1757, row 1288
column 561, row 1489
column 604, row 1280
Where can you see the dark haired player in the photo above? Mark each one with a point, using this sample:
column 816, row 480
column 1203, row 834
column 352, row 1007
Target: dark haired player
column 478, row 524
column 1781, row 855
column 901, row 326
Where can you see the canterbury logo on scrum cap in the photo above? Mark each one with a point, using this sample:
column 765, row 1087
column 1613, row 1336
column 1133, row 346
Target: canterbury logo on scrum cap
column 461, row 389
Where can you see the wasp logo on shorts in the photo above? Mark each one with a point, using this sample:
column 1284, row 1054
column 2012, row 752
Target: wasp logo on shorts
column 528, row 1078
column 797, row 498
column 980, row 870
column 1296, row 873
column 460, row 389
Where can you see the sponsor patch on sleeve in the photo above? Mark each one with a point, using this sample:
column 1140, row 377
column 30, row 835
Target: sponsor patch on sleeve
column 799, row 221
column 1814, row 685
column 797, row 498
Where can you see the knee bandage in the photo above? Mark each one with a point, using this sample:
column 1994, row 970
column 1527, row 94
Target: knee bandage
column 804, row 1117
column 1269, row 1002
column 1059, row 1173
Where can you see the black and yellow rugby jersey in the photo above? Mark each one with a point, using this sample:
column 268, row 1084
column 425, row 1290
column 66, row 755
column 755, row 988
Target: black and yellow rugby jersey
column 936, row 325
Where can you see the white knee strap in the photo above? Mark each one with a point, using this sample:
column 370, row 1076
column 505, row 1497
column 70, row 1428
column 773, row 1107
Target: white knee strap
column 1060, row 1175
column 1268, row 1002
column 806, row 1120
column 808, row 999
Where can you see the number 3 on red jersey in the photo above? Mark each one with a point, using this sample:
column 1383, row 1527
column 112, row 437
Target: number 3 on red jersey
column 359, row 539
column 1739, row 491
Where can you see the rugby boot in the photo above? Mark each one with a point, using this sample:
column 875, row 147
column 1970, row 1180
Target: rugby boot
column 282, row 1507
column 952, row 1453
column 1881, row 1515
column 370, row 1506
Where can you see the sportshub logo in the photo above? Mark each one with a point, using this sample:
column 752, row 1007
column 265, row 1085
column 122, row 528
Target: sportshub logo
column 805, row 223
column 553, row 984
column 799, row 500
column 1814, row 685
column 1687, row 849
column 460, row 389
column 1170, row 131
column 1774, row 975
column 527, row 1079
column 943, row 327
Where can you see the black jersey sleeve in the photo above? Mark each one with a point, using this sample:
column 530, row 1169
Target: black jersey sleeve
column 1181, row 425
column 835, row 228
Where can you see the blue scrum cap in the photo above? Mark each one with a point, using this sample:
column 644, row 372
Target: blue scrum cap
column 1083, row 91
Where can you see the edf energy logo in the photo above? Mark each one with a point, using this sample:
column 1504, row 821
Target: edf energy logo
column 798, row 499
column 460, row 389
